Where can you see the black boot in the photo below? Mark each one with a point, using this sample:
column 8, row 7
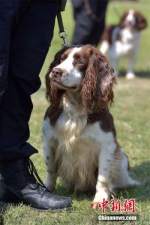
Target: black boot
column 23, row 187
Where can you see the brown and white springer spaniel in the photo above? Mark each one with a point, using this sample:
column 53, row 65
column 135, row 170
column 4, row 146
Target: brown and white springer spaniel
column 80, row 142
column 124, row 40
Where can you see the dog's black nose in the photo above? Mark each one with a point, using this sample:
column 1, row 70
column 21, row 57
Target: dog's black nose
column 57, row 72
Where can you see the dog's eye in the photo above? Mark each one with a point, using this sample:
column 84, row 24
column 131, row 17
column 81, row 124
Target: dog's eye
column 61, row 59
column 78, row 62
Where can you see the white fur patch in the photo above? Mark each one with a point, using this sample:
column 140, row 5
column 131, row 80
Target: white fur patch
column 72, row 77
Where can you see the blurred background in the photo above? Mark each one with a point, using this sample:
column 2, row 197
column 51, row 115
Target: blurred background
column 114, row 11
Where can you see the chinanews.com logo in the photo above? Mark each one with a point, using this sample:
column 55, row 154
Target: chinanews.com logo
column 116, row 206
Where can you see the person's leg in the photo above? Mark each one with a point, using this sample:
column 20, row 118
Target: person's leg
column 10, row 12
column 83, row 26
column 98, row 27
column 29, row 45
column 88, row 30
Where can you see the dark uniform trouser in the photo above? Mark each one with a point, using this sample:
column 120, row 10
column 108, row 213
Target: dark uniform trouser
column 26, row 30
column 88, row 31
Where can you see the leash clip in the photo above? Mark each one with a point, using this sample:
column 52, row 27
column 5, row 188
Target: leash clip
column 63, row 35
column 62, row 32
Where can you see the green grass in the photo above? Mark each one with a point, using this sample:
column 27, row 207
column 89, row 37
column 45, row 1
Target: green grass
column 132, row 119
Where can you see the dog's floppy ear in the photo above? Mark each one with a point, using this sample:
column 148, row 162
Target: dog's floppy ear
column 122, row 20
column 141, row 22
column 52, row 92
column 97, row 83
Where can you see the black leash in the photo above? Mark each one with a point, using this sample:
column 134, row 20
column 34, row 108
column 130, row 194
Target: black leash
column 62, row 32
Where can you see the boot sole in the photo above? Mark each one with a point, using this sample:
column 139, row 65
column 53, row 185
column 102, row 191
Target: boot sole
column 39, row 210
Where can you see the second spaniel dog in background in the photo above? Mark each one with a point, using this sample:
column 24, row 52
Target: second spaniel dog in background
column 80, row 142
column 124, row 40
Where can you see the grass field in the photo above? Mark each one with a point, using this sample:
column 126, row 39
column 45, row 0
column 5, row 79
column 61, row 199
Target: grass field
column 131, row 113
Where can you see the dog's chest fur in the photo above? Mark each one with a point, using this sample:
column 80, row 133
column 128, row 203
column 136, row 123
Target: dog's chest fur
column 127, row 42
column 129, row 39
column 77, row 151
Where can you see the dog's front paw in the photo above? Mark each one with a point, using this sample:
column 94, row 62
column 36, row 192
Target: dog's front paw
column 102, row 197
column 130, row 76
column 95, row 205
column 100, row 205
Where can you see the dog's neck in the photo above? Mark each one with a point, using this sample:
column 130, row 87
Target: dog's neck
column 72, row 104
column 129, row 36
column 72, row 120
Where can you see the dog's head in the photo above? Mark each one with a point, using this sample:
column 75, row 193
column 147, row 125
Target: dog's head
column 133, row 20
column 83, row 70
